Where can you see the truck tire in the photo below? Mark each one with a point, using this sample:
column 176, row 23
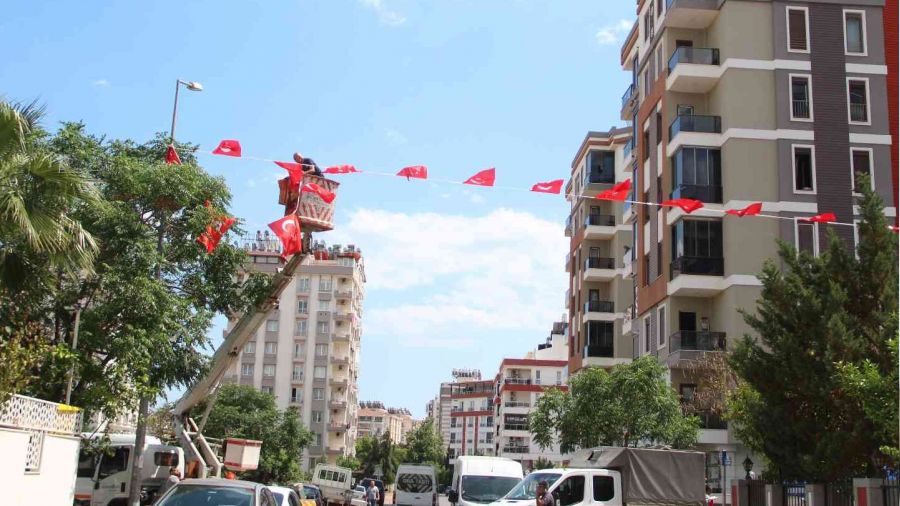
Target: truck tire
column 119, row 501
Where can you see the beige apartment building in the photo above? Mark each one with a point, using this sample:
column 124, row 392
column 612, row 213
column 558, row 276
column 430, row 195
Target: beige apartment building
column 442, row 407
column 307, row 352
column 374, row 420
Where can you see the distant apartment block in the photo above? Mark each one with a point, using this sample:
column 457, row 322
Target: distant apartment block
column 375, row 420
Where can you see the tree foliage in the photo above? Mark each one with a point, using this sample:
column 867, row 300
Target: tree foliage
column 242, row 411
column 424, row 445
column 627, row 406
column 819, row 392
column 378, row 454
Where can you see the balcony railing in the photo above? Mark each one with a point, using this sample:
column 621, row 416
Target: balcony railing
column 599, row 306
column 343, row 294
column 859, row 112
column 515, row 449
column 517, row 404
column 697, row 340
column 628, row 148
column 600, row 351
column 695, row 123
column 702, row 266
column 599, row 177
column 599, row 263
column 695, row 55
column 801, row 109
column 709, row 420
column 703, row 193
column 517, row 381
column 601, row 220
column 515, row 426
column 629, row 93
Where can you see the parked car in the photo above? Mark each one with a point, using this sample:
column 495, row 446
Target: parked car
column 359, row 492
column 313, row 492
column 206, row 491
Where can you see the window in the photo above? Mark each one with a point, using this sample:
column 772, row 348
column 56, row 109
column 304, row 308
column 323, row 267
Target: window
column 300, row 327
column 804, row 169
column 318, row 394
column 298, row 350
column 659, row 128
column 861, row 163
column 87, row 461
column 322, row 327
column 165, row 459
column 686, row 391
column 250, row 347
column 806, row 237
column 659, row 258
column 271, row 348
column 559, row 377
column 599, row 339
column 268, row 370
column 321, row 350
column 647, row 337
column 317, row 417
column 661, row 326
column 319, row 372
column 645, row 142
column 302, row 306
column 571, row 491
column 858, row 100
column 801, row 97
column 115, row 463
column 303, row 285
column 659, row 9
column 798, row 29
column 318, row 439
column 271, row 325
column 266, row 390
column 855, row 33
column 246, row 369
column 297, row 373
column 697, row 174
column 324, row 284
column 604, row 488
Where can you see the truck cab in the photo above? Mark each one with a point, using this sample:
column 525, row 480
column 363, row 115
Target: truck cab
column 569, row 487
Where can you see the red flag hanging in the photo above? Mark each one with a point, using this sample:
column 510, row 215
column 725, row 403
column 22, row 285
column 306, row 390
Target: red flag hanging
column 415, row 171
column 288, row 230
column 228, row 147
column 483, row 178
column 225, row 225
column 686, row 205
column 210, row 239
column 554, row 186
column 821, row 218
column 172, row 156
column 751, row 210
column 323, row 194
column 295, row 171
column 618, row 192
column 341, row 169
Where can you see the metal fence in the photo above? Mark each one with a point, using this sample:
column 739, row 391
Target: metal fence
column 839, row 493
column 756, row 493
column 794, row 494
column 890, row 491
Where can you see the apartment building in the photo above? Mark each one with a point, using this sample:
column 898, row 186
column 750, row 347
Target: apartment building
column 444, row 403
column 375, row 420
column 519, row 384
column 600, row 297
column 471, row 418
column 307, row 352
column 734, row 102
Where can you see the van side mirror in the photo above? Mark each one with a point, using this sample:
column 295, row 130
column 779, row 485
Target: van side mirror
column 453, row 496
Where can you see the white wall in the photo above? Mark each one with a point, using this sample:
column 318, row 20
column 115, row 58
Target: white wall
column 53, row 484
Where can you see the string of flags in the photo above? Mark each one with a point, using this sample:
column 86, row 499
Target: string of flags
column 288, row 228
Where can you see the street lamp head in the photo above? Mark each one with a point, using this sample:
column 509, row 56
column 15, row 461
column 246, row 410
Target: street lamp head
column 194, row 86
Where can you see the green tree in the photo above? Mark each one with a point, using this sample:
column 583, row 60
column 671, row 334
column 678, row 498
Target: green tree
column 243, row 412
column 542, row 463
column 827, row 327
column 377, row 454
column 424, row 445
column 627, row 406
column 349, row 462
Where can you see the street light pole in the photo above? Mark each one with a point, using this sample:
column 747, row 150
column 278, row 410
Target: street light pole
column 74, row 345
column 191, row 85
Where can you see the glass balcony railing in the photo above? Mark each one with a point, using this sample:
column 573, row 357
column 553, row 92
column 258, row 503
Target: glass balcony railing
column 703, row 193
column 703, row 266
column 598, row 350
column 602, row 220
column 629, row 93
column 709, row 420
column 697, row 340
column 695, row 123
column 629, row 147
column 695, row 55
column 599, row 263
column 597, row 176
column 599, row 306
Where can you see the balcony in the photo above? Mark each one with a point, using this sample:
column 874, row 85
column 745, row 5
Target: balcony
column 343, row 294
column 341, row 338
column 599, row 226
column 629, row 101
column 340, row 383
column 515, row 426
column 341, row 316
column 692, row 14
column 693, row 70
column 695, row 123
column 515, row 449
column 698, row 266
column 516, row 404
column 338, row 427
column 627, row 326
column 710, row 194
column 568, row 229
column 337, row 404
column 599, row 175
column 598, row 351
column 599, row 269
column 629, row 212
column 334, row 451
column 600, row 310
column 711, row 421
column 692, row 344
column 340, row 359
column 568, row 299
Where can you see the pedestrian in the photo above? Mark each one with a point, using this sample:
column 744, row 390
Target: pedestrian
column 308, row 165
column 174, row 478
column 543, row 496
column 372, row 494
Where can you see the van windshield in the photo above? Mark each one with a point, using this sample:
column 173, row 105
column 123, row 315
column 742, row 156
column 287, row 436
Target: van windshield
column 415, row 483
column 527, row 488
column 485, row 489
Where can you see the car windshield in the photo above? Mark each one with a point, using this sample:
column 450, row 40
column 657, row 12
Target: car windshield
column 311, row 493
column 486, row 489
column 206, row 495
column 279, row 498
column 527, row 488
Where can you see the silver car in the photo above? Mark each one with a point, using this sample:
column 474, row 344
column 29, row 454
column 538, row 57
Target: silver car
column 217, row 492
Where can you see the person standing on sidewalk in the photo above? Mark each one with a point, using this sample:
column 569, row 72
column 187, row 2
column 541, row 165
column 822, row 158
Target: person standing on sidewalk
column 372, row 494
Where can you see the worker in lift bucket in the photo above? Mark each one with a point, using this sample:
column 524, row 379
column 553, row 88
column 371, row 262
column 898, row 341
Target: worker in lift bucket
column 308, row 165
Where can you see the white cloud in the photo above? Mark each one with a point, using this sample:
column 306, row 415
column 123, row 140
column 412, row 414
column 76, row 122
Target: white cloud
column 457, row 276
column 474, row 197
column 101, row 83
column 385, row 15
column 395, row 137
column 614, row 33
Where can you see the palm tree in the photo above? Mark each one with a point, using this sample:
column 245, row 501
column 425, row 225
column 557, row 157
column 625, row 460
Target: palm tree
column 37, row 193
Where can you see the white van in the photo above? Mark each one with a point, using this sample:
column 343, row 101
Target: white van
column 335, row 482
column 482, row 480
column 416, row 485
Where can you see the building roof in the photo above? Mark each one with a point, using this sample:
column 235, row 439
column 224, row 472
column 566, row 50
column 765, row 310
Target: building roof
column 594, row 138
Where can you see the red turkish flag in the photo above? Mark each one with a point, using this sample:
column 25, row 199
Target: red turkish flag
column 617, row 192
column 295, row 171
column 821, row 218
column 172, row 156
column 554, row 186
column 894, row 229
column 213, row 235
column 483, row 178
column 288, row 230
column 228, row 147
column 323, row 194
column 341, row 169
column 686, row 205
column 751, row 210
column 415, row 171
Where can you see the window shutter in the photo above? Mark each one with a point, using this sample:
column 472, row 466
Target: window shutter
column 797, row 29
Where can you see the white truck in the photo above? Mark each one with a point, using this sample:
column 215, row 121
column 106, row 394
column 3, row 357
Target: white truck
column 335, row 482
column 482, row 480
column 611, row 476
column 102, row 477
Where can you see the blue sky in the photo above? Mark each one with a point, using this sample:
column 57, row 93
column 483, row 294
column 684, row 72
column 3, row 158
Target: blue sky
column 458, row 276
